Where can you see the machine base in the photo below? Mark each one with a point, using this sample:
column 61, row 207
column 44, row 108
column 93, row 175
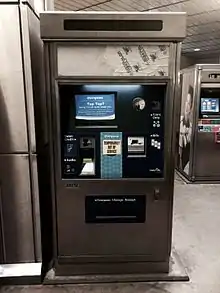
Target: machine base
column 20, row 274
column 201, row 180
column 176, row 272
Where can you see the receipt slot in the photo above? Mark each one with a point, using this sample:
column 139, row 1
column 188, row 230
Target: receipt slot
column 111, row 82
column 199, row 148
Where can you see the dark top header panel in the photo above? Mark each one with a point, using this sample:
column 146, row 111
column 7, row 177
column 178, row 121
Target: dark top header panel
column 158, row 26
column 109, row 25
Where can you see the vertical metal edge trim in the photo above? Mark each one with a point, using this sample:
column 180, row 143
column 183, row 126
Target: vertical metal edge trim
column 36, row 208
column 197, row 87
column 175, row 80
column 2, row 228
column 22, row 27
column 49, row 92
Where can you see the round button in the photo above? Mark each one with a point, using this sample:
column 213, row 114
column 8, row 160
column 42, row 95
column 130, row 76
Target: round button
column 139, row 104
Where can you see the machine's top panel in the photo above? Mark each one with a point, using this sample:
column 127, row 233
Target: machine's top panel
column 210, row 72
column 113, row 25
column 202, row 67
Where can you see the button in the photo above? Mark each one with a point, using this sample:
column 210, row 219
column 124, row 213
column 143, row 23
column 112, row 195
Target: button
column 156, row 194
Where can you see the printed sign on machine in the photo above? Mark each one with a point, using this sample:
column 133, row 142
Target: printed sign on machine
column 95, row 107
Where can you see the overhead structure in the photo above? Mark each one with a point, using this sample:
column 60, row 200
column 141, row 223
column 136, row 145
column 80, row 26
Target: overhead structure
column 199, row 132
column 111, row 85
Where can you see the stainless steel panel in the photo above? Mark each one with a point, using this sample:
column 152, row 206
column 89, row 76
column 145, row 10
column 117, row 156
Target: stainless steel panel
column 186, row 121
column 39, row 6
column 27, row 68
column 37, row 70
column 16, row 208
column 108, row 271
column 206, row 75
column 34, row 81
column 52, row 25
column 36, row 5
column 49, row 5
column 210, row 85
column 12, row 102
column 207, row 67
column 101, row 242
column 2, row 240
column 36, row 207
column 207, row 157
column 20, row 270
column 195, row 115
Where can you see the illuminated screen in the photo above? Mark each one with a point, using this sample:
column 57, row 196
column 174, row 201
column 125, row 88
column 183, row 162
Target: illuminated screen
column 209, row 105
column 95, row 106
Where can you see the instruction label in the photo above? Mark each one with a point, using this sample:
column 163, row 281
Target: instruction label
column 111, row 147
column 111, row 155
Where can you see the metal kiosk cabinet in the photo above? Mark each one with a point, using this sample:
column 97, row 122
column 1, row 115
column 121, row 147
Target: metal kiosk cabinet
column 21, row 88
column 199, row 134
column 111, row 83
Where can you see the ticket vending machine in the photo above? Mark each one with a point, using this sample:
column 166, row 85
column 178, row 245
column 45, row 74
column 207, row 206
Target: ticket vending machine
column 111, row 83
column 199, row 138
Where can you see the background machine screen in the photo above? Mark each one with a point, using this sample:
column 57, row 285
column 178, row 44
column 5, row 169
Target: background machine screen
column 209, row 105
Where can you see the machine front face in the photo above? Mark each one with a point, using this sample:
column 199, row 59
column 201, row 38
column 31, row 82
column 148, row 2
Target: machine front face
column 112, row 101
column 112, row 131
column 208, row 138
column 112, row 144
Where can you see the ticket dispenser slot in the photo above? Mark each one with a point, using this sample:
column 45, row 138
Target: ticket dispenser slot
column 87, row 154
column 136, row 146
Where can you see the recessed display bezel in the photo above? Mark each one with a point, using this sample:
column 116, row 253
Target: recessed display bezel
column 212, row 109
column 95, row 105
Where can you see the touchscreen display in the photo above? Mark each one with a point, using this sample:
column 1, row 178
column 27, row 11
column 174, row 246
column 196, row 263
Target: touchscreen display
column 209, row 105
column 95, row 106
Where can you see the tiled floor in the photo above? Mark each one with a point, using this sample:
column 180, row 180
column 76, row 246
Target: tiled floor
column 196, row 237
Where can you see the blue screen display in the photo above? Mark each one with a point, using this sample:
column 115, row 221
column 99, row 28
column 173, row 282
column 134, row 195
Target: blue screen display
column 209, row 105
column 95, row 106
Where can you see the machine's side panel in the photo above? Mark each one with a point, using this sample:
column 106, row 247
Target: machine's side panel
column 12, row 101
column 27, row 68
column 37, row 71
column 46, row 179
column 41, row 190
column 16, row 209
column 36, row 207
column 36, row 56
column 184, row 160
